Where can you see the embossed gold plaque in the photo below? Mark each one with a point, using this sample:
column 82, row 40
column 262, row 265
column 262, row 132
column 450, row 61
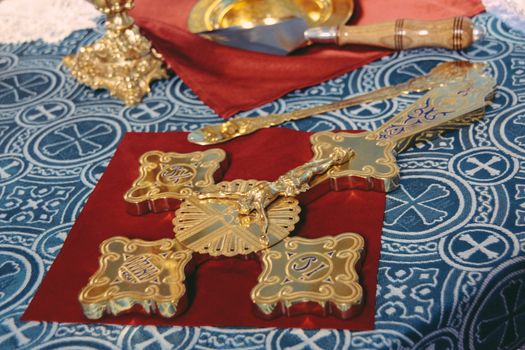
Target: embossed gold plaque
column 136, row 272
column 320, row 271
column 167, row 178
column 216, row 227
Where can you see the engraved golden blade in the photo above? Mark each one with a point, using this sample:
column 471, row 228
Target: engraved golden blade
column 441, row 74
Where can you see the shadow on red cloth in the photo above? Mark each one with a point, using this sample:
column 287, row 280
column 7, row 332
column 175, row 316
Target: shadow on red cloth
column 220, row 289
column 230, row 80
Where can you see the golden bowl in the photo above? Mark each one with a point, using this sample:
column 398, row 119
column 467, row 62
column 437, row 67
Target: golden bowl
column 215, row 14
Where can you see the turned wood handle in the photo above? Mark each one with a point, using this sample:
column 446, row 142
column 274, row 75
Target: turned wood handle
column 453, row 33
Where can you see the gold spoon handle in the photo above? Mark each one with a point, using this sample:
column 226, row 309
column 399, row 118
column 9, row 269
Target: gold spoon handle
column 441, row 74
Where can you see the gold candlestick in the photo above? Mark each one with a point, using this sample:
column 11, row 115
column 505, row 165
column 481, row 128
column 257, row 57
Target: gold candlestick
column 122, row 61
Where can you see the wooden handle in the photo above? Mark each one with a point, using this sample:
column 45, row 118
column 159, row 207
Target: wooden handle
column 453, row 33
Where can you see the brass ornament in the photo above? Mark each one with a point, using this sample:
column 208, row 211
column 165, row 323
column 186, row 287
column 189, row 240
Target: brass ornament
column 290, row 184
column 167, row 178
column 217, row 227
column 122, row 61
column 321, row 271
column 136, row 272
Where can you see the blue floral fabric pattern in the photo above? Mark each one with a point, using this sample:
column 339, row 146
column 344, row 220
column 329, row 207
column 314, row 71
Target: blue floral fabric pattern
column 452, row 269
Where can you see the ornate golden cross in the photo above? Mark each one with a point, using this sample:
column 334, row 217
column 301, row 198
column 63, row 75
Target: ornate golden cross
column 242, row 217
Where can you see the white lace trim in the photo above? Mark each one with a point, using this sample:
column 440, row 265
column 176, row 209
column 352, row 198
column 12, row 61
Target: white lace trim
column 511, row 12
column 49, row 20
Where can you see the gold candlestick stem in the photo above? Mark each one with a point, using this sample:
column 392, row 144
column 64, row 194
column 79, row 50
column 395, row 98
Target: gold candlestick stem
column 122, row 61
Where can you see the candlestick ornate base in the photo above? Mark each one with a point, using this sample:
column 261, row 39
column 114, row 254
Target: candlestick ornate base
column 122, row 61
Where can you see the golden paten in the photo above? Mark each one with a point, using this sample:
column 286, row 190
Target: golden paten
column 122, row 61
column 215, row 14
column 136, row 272
column 166, row 178
column 217, row 227
column 301, row 271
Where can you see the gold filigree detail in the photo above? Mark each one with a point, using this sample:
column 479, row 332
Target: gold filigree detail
column 122, row 61
column 167, row 178
column 300, row 270
column 218, row 228
column 136, row 272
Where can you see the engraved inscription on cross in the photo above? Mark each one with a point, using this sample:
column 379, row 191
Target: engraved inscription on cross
column 308, row 267
column 139, row 269
column 175, row 174
column 136, row 272
column 298, row 270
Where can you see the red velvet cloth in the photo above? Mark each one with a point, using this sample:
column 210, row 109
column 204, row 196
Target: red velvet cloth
column 220, row 288
column 230, row 80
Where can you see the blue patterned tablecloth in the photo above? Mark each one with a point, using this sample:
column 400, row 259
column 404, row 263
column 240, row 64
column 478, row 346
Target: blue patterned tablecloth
column 452, row 269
